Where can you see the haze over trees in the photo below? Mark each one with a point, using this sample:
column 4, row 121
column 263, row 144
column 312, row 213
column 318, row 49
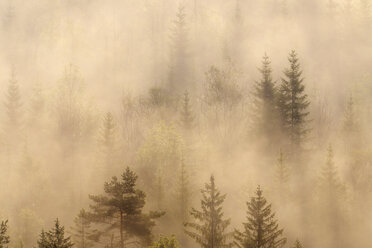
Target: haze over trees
column 151, row 123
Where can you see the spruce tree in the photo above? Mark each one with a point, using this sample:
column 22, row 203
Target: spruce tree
column 282, row 172
column 179, row 68
column 209, row 228
column 331, row 194
column 4, row 237
column 187, row 117
column 55, row 238
column 261, row 229
column 351, row 126
column 293, row 105
column 107, row 141
column 330, row 183
column 42, row 242
column 120, row 208
column 82, row 234
column 266, row 113
column 183, row 191
column 13, row 105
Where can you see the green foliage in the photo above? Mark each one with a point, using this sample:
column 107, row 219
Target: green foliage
column 162, row 152
column 261, row 229
column 166, row 242
column 209, row 228
column 293, row 104
column 120, row 208
column 4, row 237
column 55, row 238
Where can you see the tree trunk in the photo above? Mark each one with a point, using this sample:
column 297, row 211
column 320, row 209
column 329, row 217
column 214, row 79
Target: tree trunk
column 121, row 231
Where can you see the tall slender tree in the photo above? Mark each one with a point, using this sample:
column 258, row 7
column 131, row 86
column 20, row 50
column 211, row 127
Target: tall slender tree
column 282, row 172
column 187, row 117
column 120, row 208
column 107, row 141
column 179, row 68
column 266, row 112
column 293, row 105
column 209, row 228
column 82, row 234
column 183, row 191
column 261, row 229
column 332, row 193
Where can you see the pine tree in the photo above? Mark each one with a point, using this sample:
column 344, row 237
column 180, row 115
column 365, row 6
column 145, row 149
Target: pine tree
column 55, row 238
column 266, row 112
column 82, row 235
column 4, row 237
column 42, row 242
column 179, row 69
column 293, row 105
column 120, row 208
column 187, row 117
column 209, row 228
column 261, row 229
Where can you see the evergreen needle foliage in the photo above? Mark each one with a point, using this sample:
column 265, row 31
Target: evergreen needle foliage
column 209, row 228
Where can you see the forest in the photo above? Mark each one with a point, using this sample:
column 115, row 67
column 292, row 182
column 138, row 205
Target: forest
column 187, row 123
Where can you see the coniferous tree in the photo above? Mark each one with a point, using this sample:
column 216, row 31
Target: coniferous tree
column 13, row 105
column 179, row 69
column 187, row 117
column 55, row 238
column 107, row 141
column 261, row 229
column 82, row 234
column 4, row 237
column 209, row 228
column 266, row 113
column 331, row 192
column 329, row 180
column 351, row 125
column 282, row 172
column 42, row 242
column 183, row 192
column 120, row 208
column 293, row 105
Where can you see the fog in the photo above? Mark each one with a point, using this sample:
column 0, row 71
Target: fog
column 178, row 91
